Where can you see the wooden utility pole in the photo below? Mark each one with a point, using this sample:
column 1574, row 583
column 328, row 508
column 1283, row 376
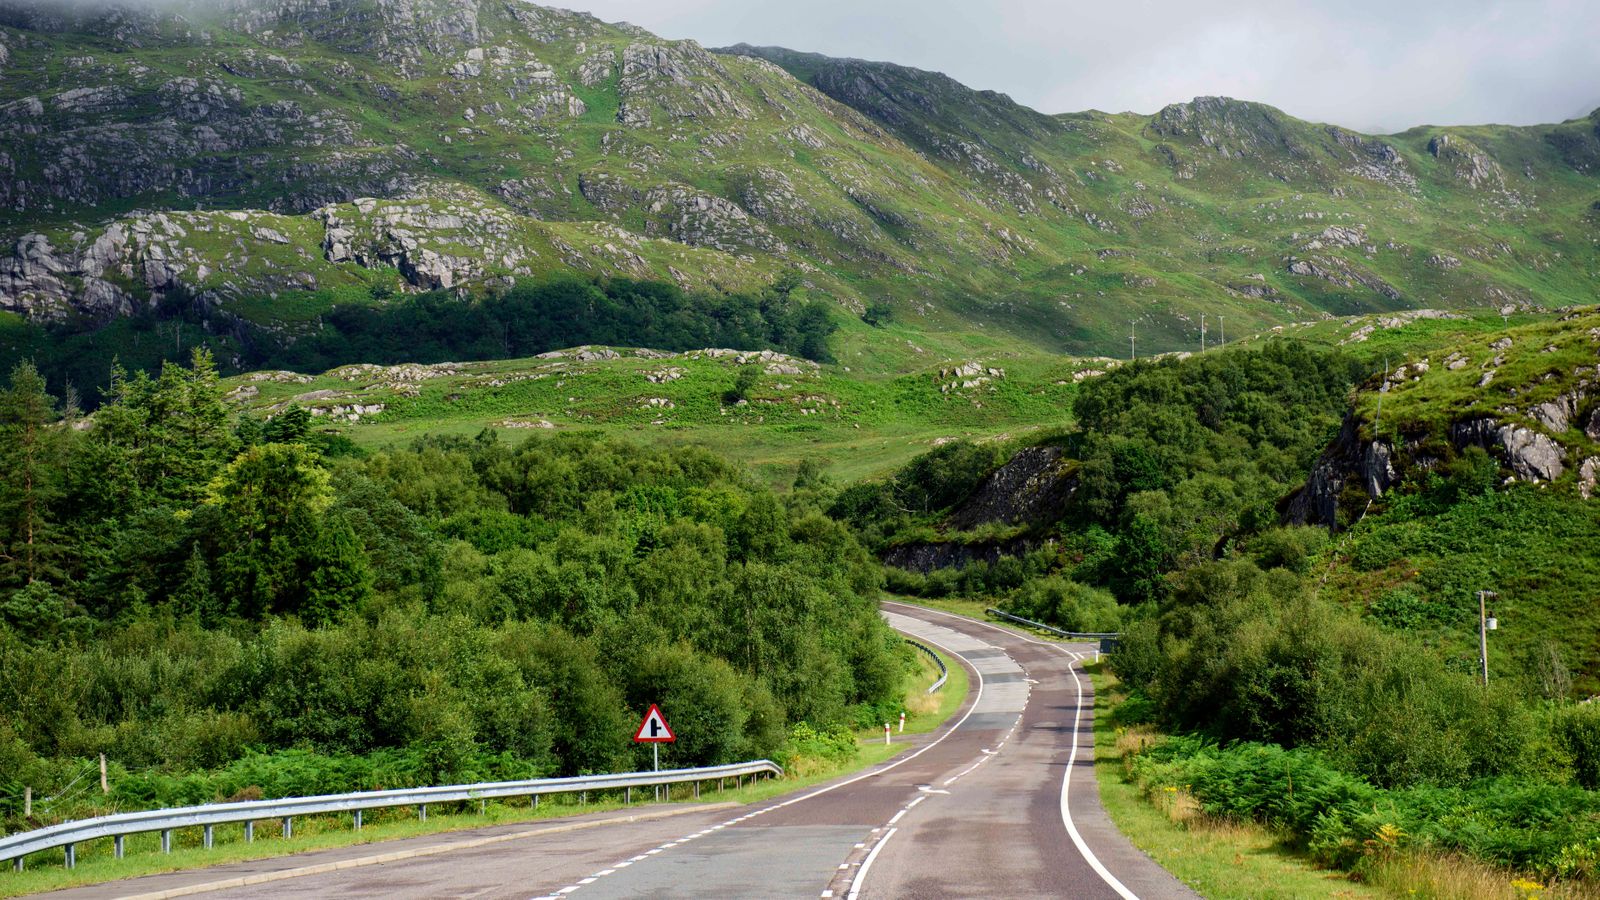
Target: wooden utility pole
column 27, row 803
column 105, row 788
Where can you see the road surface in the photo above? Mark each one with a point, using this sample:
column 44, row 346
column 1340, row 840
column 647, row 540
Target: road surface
column 1002, row 802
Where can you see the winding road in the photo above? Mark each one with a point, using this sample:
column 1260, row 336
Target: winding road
column 1001, row 802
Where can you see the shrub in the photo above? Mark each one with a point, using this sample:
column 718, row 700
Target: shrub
column 1577, row 731
column 1067, row 605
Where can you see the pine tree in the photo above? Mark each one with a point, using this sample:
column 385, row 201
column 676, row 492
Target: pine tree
column 341, row 577
column 191, row 419
column 194, row 596
column 31, row 451
column 288, row 427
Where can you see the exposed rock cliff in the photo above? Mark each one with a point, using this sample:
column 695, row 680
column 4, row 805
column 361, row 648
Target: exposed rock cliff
column 1532, row 401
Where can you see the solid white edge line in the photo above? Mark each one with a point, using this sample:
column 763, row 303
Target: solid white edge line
column 1072, row 758
column 861, row 876
column 873, row 773
column 1066, row 809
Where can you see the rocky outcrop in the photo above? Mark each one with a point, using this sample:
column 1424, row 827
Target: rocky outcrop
column 1032, row 487
column 679, row 79
column 1530, row 454
column 1317, row 503
column 1374, row 467
column 1374, row 159
column 1335, row 270
column 42, row 282
column 1231, row 128
column 1466, row 162
column 926, row 557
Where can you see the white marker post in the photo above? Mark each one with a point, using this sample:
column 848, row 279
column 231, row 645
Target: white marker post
column 886, row 734
column 902, row 721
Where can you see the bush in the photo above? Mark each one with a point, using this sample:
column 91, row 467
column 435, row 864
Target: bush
column 1290, row 548
column 1577, row 731
column 1067, row 605
column 1344, row 820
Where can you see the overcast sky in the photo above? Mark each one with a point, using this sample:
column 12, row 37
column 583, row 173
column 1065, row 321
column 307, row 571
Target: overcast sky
column 1367, row 64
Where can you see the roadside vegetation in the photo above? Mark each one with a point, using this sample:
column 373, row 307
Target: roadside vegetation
column 1321, row 687
column 228, row 607
column 810, row 758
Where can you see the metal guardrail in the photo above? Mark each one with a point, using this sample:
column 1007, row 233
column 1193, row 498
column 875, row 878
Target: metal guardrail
column 1108, row 639
column 68, row 834
column 944, row 673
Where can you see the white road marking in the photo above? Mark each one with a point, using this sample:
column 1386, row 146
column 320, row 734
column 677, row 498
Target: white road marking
column 833, row 787
column 1072, row 757
column 861, row 876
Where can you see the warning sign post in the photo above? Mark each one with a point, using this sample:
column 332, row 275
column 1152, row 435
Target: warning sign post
column 654, row 731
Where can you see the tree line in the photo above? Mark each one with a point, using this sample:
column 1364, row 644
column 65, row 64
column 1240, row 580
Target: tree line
column 191, row 593
column 526, row 319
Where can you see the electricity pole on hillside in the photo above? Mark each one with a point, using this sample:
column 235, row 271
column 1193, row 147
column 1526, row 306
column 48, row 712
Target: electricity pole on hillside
column 1202, row 332
column 1132, row 353
column 1486, row 624
column 1224, row 327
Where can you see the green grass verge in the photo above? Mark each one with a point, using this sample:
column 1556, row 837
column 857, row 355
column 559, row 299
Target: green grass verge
column 96, row 864
column 1220, row 860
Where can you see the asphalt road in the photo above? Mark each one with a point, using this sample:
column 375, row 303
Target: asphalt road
column 1001, row 803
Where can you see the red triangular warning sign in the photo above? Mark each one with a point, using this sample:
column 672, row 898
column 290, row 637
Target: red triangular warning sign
column 654, row 728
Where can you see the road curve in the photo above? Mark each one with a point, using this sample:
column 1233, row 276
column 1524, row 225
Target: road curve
column 1000, row 803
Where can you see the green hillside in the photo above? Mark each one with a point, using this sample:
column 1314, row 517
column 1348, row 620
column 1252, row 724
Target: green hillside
column 789, row 410
column 257, row 166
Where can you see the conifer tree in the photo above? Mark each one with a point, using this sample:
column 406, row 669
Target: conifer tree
column 340, row 577
column 31, row 448
column 194, row 595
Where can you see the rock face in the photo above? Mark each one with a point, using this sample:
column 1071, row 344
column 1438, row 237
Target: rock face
column 1231, row 128
column 1466, row 162
column 1530, row 454
column 42, row 282
column 925, row 558
column 1337, row 271
column 1370, row 465
column 1033, row 486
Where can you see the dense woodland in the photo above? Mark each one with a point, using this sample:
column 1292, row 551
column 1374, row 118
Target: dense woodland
column 379, row 326
column 219, row 604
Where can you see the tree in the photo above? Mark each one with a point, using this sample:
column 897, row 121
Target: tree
column 340, row 576
column 194, row 595
column 35, row 611
column 742, row 385
column 269, row 503
column 878, row 313
column 157, row 442
column 288, row 427
column 192, row 418
column 31, row 450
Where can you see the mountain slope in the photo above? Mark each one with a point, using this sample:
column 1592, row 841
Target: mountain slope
column 271, row 160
